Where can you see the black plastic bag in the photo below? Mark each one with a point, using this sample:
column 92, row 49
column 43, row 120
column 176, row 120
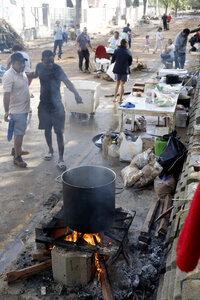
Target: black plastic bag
column 173, row 155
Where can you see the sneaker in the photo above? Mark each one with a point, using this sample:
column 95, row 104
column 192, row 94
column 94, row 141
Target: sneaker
column 23, row 152
column 18, row 161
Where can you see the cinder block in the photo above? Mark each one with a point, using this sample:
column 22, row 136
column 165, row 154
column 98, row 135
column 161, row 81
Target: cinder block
column 191, row 289
column 72, row 268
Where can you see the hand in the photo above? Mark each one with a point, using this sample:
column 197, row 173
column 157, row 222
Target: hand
column 6, row 117
column 78, row 99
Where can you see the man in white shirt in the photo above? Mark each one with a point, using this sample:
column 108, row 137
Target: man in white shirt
column 17, row 103
column 115, row 40
column 159, row 39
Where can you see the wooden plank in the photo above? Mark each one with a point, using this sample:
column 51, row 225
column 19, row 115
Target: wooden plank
column 150, row 216
column 162, row 229
column 105, row 282
column 28, row 272
column 164, row 214
column 41, row 254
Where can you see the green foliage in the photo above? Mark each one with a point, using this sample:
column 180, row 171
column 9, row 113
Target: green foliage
column 135, row 3
column 128, row 3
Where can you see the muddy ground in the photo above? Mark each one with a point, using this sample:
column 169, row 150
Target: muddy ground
column 23, row 192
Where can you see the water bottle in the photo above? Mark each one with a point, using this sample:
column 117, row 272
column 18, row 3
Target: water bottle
column 113, row 154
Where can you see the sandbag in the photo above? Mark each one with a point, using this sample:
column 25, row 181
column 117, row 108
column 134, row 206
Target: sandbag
column 164, row 185
column 149, row 172
column 130, row 175
column 142, row 159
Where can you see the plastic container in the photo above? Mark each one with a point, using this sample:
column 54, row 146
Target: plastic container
column 107, row 141
column 90, row 93
column 113, row 154
column 160, row 144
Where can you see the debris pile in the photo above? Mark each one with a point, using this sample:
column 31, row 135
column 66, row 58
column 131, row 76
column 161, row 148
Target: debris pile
column 8, row 37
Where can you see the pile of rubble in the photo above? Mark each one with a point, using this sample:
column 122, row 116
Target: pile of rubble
column 8, row 37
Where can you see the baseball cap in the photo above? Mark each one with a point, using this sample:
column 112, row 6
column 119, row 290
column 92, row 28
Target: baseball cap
column 17, row 57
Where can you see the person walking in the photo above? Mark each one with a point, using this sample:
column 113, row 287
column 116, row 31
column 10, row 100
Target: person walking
column 127, row 30
column 180, row 48
column 123, row 59
column 17, row 104
column 58, row 39
column 159, row 39
column 146, row 44
column 83, row 41
column 164, row 19
column 51, row 110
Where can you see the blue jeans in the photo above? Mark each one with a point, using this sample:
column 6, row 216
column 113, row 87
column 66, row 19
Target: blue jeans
column 179, row 60
column 58, row 43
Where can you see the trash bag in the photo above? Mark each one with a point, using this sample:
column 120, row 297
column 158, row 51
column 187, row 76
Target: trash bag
column 173, row 155
column 164, row 185
column 142, row 159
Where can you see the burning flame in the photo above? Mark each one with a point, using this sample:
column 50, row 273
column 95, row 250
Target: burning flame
column 90, row 239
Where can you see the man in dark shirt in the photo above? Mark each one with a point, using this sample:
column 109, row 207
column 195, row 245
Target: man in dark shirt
column 83, row 41
column 164, row 19
column 127, row 30
column 50, row 110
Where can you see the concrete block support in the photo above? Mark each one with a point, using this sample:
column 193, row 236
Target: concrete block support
column 72, row 268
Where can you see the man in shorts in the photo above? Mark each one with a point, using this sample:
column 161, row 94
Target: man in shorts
column 17, row 103
column 50, row 110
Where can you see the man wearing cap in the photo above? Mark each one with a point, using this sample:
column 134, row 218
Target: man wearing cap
column 17, row 102
column 58, row 39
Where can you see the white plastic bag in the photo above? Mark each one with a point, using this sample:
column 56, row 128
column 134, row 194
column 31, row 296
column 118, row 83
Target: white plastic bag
column 129, row 149
column 110, row 72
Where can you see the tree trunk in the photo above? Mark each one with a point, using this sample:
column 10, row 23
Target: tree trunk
column 176, row 7
column 145, row 7
column 166, row 8
column 78, row 12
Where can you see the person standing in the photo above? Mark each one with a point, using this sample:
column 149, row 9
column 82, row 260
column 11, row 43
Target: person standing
column 159, row 39
column 127, row 30
column 17, row 103
column 164, row 19
column 146, row 44
column 51, row 110
column 65, row 35
column 123, row 59
column 83, row 41
column 58, row 39
column 180, row 48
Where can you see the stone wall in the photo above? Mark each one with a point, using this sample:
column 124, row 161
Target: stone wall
column 175, row 284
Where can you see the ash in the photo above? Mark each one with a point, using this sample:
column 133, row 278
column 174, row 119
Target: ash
column 136, row 278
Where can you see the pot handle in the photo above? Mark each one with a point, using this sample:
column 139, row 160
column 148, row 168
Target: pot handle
column 58, row 179
column 121, row 190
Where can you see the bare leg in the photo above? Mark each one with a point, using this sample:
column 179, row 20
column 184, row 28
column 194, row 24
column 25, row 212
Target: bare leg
column 116, row 91
column 18, row 144
column 48, row 137
column 121, row 91
column 60, row 141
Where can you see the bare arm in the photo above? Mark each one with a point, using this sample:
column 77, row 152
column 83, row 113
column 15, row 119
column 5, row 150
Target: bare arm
column 78, row 46
column 32, row 75
column 71, row 87
column 6, row 102
column 89, row 44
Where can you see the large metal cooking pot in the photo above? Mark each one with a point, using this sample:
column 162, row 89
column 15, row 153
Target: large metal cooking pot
column 89, row 198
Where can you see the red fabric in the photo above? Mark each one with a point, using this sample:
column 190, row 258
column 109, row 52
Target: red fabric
column 169, row 18
column 198, row 33
column 101, row 52
column 188, row 246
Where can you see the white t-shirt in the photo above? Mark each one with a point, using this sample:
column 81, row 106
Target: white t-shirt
column 113, row 42
column 171, row 49
column 158, row 36
column 27, row 68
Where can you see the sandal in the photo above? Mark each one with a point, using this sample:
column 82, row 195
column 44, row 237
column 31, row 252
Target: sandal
column 61, row 165
column 48, row 156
